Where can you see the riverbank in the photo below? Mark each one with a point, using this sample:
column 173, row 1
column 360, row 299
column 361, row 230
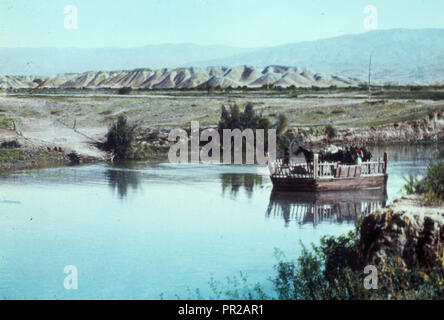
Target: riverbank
column 150, row 146
column 78, row 124
column 427, row 129
column 408, row 230
column 18, row 159
column 22, row 159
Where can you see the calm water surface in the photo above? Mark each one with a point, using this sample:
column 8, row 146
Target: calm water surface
column 137, row 232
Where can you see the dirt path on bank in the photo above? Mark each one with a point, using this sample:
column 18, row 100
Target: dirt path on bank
column 47, row 133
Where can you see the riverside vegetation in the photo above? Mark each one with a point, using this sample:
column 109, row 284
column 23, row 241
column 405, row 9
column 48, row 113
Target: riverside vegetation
column 431, row 186
column 126, row 142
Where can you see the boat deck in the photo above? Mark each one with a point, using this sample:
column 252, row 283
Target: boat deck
column 329, row 176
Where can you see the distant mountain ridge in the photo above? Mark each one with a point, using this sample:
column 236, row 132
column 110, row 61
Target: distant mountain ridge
column 47, row 62
column 204, row 78
column 400, row 56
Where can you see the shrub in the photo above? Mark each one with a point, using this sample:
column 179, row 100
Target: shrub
column 434, row 183
column 289, row 139
column 125, row 90
column 432, row 186
column 233, row 118
column 331, row 131
column 330, row 272
column 413, row 185
column 74, row 158
column 281, row 124
column 119, row 138
column 326, row 272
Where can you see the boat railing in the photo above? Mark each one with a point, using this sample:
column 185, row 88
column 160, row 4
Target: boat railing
column 320, row 170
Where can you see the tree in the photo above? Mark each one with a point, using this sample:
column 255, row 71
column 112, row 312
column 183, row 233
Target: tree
column 263, row 123
column 225, row 119
column 235, row 117
column 249, row 118
column 119, row 138
column 281, row 124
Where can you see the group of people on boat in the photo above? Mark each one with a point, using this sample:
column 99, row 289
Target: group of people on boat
column 351, row 155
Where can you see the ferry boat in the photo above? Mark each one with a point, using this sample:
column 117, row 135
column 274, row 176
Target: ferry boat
column 319, row 176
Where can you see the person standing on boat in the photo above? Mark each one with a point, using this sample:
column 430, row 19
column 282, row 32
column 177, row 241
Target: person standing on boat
column 286, row 158
column 359, row 155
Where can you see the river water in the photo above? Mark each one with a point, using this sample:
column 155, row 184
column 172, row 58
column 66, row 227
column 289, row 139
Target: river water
column 150, row 231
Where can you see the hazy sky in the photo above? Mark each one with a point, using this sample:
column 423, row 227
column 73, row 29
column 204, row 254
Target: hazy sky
column 246, row 23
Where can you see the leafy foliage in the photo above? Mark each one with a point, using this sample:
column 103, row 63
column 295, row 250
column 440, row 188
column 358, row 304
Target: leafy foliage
column 434, row 183
column 119, row 138
column 284, row 141
column 331, row 272
column 233, row 118
column 281, row 124
column 413, row 184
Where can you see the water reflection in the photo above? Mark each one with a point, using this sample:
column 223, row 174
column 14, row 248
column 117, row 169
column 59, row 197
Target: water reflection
column 121, row 178
column 234, row 182
column 332, row 207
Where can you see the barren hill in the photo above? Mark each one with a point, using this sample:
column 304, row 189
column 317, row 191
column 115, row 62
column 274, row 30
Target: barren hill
column 208, row 77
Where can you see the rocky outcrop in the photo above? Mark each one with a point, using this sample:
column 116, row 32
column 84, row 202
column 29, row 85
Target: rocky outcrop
column 179, row 78
column 407, row 230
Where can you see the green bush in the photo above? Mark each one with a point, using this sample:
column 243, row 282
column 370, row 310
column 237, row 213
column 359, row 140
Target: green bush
column 432, row 186
column 330, row 272
column 434, row 183
column 289, row 139
column 119, row 138
column 413, row 185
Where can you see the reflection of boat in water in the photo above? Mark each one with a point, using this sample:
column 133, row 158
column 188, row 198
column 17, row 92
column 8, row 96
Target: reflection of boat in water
column 318, row 176
column 316, row 207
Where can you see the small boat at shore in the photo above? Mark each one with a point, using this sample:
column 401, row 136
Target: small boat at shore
column 319, row 176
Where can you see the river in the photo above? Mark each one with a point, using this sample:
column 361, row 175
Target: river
column 146, row 231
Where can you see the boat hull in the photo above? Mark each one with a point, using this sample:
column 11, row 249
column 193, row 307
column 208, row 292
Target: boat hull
column 329, row 184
